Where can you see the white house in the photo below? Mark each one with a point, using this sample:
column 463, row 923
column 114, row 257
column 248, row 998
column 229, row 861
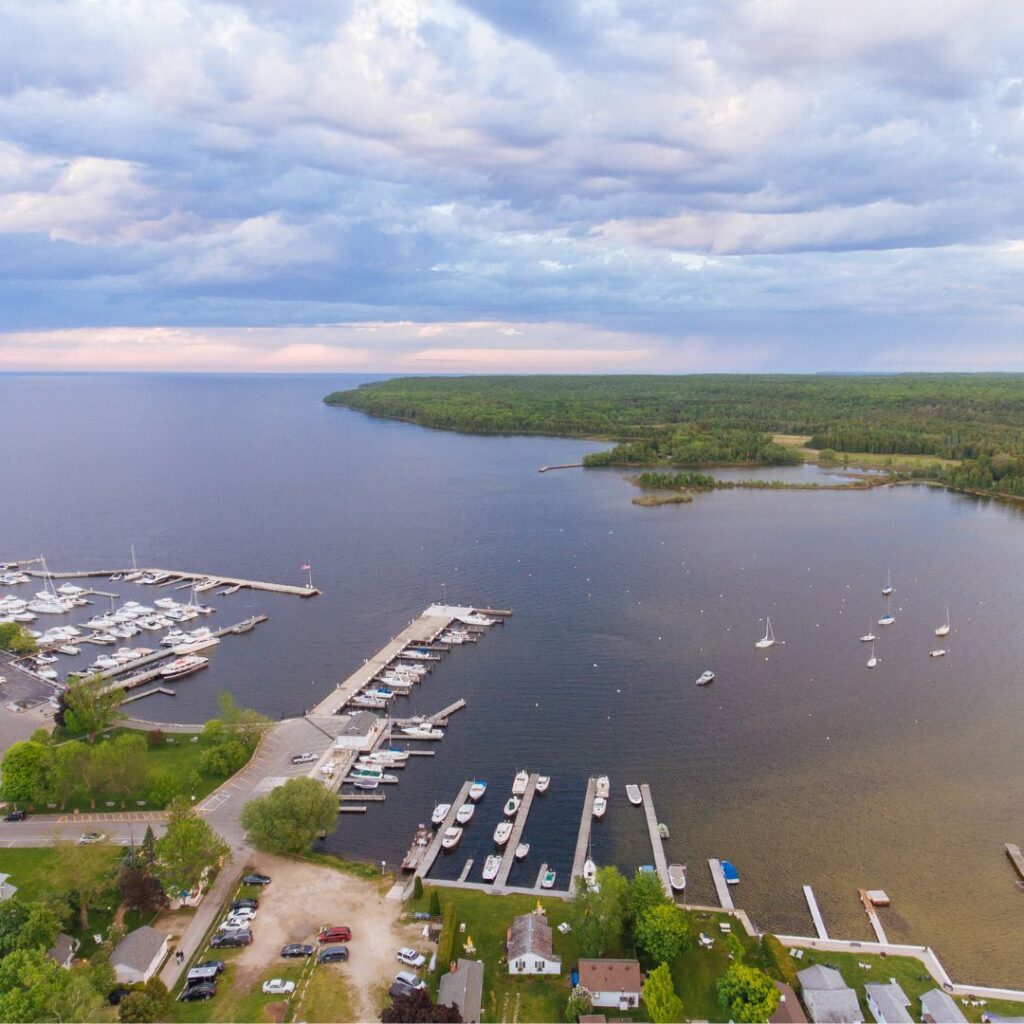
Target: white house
column 829, row 1000
column 529, row 947
column 614, row 983
column 137, row 957
column 888, row 1003
column 938, row 1007
column 360, row 732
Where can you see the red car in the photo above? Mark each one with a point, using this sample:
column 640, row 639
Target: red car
column 339, row 933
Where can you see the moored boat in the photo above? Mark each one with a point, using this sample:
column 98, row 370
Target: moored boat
column 503, row 832
column 543, row 782
column 548, row 881
column 519, row 783
column 937, row 653
column 491, row 867
column 184, row 666
column 464, row 813
column 440, row 813
column 420, row 843
column 589, row 871
column 732, row 876
column 633, row 794
column 706, row 677
column 600, row 806
column 663, row 830
column 602, row 787
column 451, row 838
column 477, row 790
column 677, row 876
column 522, row 850
column 511, row 806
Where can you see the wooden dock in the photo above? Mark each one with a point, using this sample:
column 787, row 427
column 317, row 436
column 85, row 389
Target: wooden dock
column 583, row 836
column 812, row 906
column 466, row 870
column 721, row 886
column 435, row 847
column 657, row 846
column 274, row 588
column 876, row 923
column 1016, row 859
column 508, row 856
column 363, row 798
column 352, row 809
column 439, row 718
column 149, row 693
column 423, row 629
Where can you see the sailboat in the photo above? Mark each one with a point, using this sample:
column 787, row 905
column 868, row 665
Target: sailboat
column 136, row 572
column 868, row 637
column 872, row 661
column 888, row 588
column 888, row 618
column 768, row 640
column 944, row 630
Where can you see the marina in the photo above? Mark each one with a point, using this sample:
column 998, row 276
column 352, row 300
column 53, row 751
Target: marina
column 183, row 578
column 509, row 854
column 583, row 835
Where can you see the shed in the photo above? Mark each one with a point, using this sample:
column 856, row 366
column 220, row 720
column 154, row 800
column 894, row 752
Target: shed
column 138, row 955
column 360, row 732
column 938, row 1007
column 613, row 983
column 888, row 1003
column 464, row 987
column 529, row 946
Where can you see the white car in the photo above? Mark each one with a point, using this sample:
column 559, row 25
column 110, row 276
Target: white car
column 411, row 958
column 231, row 924
column 88, row 838
column 305, row 758
column 278, row 987
column 410, row 979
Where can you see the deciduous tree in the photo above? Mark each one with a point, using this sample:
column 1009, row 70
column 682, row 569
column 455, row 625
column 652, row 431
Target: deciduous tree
column 188, row 846
column 84, row 872
column 148, row 1004
column 35, row 988
column 598, row 914
column 140, row 890
column 663, row 1003
column 25, row 767
column 579, row 1004
column 290, row 817
column 747, row 993
column 662, row 932
column 15, row 638
column 417, row 1007
column 88, row 707
column 67, row 770
column 645, row 892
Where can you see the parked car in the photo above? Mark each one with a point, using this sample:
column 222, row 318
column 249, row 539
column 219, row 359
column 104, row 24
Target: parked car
column 235, row 924
column 278, row 987
column 204, row 990
column 410, row 979
column 297, row 949
column 249, row 901
column 88, row 838
column 235, row 938
column 256, row 880
column 16, row 816
column 399, row 988
column 117, row 995
column 332, row 955
column 339, row 933
column 411, row 958
column 243, row 914
column 217, row 965
column 305, row 758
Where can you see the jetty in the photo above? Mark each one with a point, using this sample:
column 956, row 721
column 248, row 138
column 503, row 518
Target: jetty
column 1016, row 859
column 509, row 853
column 438, row 718
column 424, row 629
column 721, row 886
column 876, row 923
column 812, row 906
column 435, row 846
column 149, row 693
column 583, row 836
column 657, row 844
column 192, row 577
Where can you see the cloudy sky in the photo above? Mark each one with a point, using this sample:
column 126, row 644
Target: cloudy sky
column 501, row 185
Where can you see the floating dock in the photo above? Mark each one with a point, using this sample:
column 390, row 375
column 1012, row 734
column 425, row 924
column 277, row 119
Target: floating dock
column 721, row 886
column 812, row 906
column 1016, row 859
column 426, row 628
column 509, row 854
column 149, row 693
column 274, row 588
column 466, row 870
column 876, row 923
column 583, row 836
column 657, row 845
column 435, row 847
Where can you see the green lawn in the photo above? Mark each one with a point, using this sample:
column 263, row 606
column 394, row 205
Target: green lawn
column 328, row 997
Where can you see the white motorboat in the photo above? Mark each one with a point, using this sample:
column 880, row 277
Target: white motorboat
column 477, row 620
column 166, row 603
column 603, row 786
column 937, row 653
column 634, row 795
column 184, row 666
column 49, row 674
column 70, row 590
column 362, row 700
column 193, row 646
column 104, row 639
column 943, row 630
column 543, row 782
column 677, row 876
column 548, row 881
column 706, row 677
column 872, row 661
column 768, row 640
column 519, row 783
column 46, row 659
column 522, row 850
column 422, row 730
column 105, row 662
column 888, row 588
column 491, row 867
column 174, row 638
column 204, row 585
column 503, row 832
column 366, row 783
column 440, row 813
column 477, row 790
column 69, row 649
column 589, row 871
column 451, row 838
column 464, row 813
column 600, row 806
column 511, row 806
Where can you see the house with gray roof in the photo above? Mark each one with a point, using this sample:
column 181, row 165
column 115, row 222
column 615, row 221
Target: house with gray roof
column 360, row 732
column 529, row 947
column 464, row 987
column 63, row 950
column 938, row 1007
column 138, row 955
column 829, row 1000
column 888, row 1003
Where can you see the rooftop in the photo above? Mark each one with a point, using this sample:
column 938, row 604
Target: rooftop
column 464, row 987
column 611, row 975
column 891, row 1000
column 530, row 934
column 821, row 978
column 833, row 1006
column 138, row 948
column 789, row 1010
column 938, row 1007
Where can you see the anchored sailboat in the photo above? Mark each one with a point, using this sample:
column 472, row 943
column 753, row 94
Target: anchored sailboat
column 888, row 588
column 768, row 640
column 944, row 629
column 872, row 661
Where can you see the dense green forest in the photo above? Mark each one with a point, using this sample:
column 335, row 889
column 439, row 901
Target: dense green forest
column 700, row 420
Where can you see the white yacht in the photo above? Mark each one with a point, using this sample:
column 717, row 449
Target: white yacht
column 491, row 867
column 440, row 813
column 548, row 881
column 868, row 637
column 503, row 832
column 519, row 783
column 194, row 646
column 422, row 730
column 477, row 790
column 589, row 871
column 888, row 588
column 451, row 837
column 175, row 637
column 70, row 590
column 768, row 640
column 184, row 666
column 943, row 630
column 522, row 850
column 511, row 806
column 603, row 786
column 872, row 661
column 464, row 813
column 600, row 806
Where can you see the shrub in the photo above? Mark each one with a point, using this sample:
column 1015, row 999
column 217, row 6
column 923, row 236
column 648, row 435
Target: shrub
column 417, row 888
column 156, row 738
column 778, row 962
column 446, row 943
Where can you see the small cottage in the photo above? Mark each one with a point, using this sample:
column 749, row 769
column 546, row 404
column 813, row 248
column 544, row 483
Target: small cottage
column 888, row 1003
column 138, row 956
column 612, row 983
column 529, row 946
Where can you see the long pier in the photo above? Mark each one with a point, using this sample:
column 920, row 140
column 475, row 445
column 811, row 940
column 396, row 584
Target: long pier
column 657, row 846
column 876, row 921
column 232, row 581
column 426, row 628
column 583, row 836
column 435, row 847
column 812, row 906
column 438, row 718
column 509, row 855
column 721, row 886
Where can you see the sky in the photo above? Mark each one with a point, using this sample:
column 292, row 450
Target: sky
column 512, row 185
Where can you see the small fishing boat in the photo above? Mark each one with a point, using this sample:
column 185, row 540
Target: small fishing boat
column 589, row 871
column 943, row 630
column 677, row 876
column 663, row 830
column 511, row 806
column 602, row 787
column 519, row 783
column 732, row 876
column 706, row 677
column 477, row 790
column 503, row 832
column 464, row 813
column 633, row 793
column 522, row 850
column 440, row 813
column 939, row 652
column 600, row 806
column 768, row 640
column 548, row 881
column 491, row 867
column 543, row 781
column 451, row 838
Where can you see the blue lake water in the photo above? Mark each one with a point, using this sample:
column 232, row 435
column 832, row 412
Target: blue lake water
column 800, row 767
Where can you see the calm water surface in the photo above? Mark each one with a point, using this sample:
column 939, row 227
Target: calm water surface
column 801, row 767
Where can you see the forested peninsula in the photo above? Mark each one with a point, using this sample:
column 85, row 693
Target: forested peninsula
column 962, row 430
